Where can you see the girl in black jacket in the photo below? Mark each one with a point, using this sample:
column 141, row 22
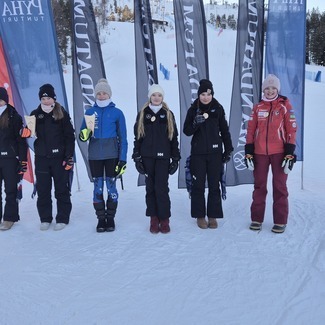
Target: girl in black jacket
column 54, row 148
column 13, row 159
column 156, row 155
column 211, row 146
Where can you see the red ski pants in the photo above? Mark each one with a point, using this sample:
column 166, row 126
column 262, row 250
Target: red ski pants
column 279, row 184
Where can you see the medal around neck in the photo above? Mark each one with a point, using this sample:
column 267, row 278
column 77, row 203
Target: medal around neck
column 205, row 115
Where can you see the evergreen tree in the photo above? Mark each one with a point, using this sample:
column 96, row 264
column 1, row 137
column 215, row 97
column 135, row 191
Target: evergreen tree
column 62, row 21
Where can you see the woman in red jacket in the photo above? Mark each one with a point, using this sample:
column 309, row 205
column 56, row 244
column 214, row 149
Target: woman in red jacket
column 270, row 140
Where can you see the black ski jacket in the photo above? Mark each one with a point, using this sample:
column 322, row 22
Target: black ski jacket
column 53, row 138
column 155, row 143
column 211, row 136
column 11, row 143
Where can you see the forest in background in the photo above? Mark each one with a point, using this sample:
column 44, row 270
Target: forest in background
column 112, row 10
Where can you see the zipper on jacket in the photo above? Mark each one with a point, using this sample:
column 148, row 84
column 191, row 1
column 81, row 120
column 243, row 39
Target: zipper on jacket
column 267, row 128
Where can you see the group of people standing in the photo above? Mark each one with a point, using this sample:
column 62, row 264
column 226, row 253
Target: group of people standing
column 270, row 141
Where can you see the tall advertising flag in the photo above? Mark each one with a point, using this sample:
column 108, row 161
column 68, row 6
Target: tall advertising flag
column 7, row 82
column 30, row 43
column 246, row 85
column 31, row 53
column 285, row 55
column 192, row 63
column 88, row 66
column 145, row 55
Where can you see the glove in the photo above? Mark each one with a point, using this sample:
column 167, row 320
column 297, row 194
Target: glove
column 173, row 166
column 85, row 134
column 249, row 156
column 120, row 168
column 249, row 162
column 199, row 119
column 25, row 132
column 226, row 157
column 68, row 163
column 140, row 167
column 22, row 167
column 289, row 157
column 288, row 162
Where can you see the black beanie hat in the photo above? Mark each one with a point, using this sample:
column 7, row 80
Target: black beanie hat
column 4, row 95
column 205, row 86
column 47, row 90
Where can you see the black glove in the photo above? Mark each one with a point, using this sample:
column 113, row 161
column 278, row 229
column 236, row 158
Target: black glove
column 199, row 119
column 22, row 167
column 68, row 163
column 120, row 168
column 138, row 163
column 140, row 167
column 249, row 149
column 249, row 156
column 226, row 157
column 173, row 166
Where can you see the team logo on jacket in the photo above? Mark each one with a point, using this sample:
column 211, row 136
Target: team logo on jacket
column 215, row 146
column 160, row 154
column 162, row 116
column 55, row 150
column 263, row 114
column 4, row 153
column 148, row 116
column 40, row 116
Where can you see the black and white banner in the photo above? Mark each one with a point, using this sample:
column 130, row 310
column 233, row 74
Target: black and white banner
column 88, row 66
column 246, row 85
column 145, row 55
column 192, row 63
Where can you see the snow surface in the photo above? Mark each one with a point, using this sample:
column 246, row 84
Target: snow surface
column 230, row 275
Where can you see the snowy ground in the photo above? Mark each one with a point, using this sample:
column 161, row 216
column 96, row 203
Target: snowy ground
column 190, row 276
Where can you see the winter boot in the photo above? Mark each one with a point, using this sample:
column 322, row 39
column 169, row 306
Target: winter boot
column 59, row 226
column 6, row 225
column 202, row 223
column 256, row 226
column 111, row 207
column 278, row 229
column 101, row 216
column 45, row 226
column 164, row 226
column 102, row 225
column 212, row 223
column 154, row 225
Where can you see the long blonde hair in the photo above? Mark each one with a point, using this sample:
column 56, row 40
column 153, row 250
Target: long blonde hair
column 170, row 121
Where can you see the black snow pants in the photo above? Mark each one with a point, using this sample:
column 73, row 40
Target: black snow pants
column 45, row 170
column 157, row 190
column 206, row 168
column 9, row 176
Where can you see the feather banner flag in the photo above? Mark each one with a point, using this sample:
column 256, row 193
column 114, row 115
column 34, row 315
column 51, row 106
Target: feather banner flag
column 145, row 55
column 30, row 51
column 192, row 63
column 88, row 66
column 15, row 100
column 246, row 85
column 285, row 56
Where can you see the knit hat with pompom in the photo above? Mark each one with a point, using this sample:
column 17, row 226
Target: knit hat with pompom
column 103, row 85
